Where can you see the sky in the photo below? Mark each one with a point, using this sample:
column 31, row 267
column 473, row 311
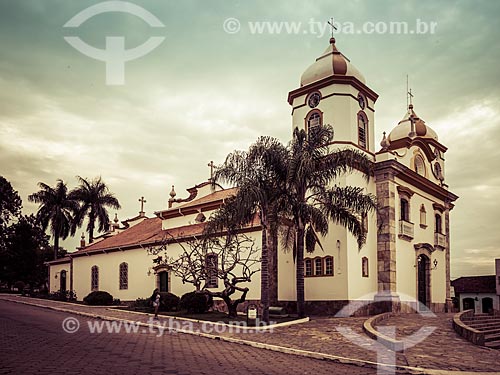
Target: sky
column 210, row 88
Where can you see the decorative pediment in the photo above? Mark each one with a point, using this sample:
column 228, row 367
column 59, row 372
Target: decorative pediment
column 424, row 246
column 403, row 190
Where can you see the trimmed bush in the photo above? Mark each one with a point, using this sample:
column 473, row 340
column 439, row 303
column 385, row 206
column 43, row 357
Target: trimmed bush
column 99, row 298
column 142, row 303
column 168, row 302
column 196, row 302
column 19, row 285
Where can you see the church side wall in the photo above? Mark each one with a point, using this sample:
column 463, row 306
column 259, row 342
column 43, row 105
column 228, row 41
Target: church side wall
column 55, row 276
column 140, row 284
column 406, row 254
column 359, row 285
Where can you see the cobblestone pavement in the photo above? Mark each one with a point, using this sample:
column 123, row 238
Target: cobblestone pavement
column 33, row 342
column 443, row 350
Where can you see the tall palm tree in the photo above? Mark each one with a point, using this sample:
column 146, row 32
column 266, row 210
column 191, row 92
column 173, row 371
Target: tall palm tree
column 260, row 175
column 94, row 198
column 57, row 210
column 312, row 168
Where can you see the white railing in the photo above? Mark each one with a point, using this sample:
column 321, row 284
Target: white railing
column 439, row 240
column 406, row 228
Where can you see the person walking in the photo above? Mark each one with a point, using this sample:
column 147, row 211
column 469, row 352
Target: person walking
column 155, row 298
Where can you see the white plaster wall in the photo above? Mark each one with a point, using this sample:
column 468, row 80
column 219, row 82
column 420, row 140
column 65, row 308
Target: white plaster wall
column 478, row 303
column 340, row 111
column 358, row 285
column 140, row 285
column 55, row 270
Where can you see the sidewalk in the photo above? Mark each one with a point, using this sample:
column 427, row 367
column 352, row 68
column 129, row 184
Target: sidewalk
column 443, row 352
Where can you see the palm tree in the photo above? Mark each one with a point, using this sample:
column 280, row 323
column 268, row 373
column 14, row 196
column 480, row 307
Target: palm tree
column 312, row 169
column 260, row 175
column 57, row 209
column 94, row 197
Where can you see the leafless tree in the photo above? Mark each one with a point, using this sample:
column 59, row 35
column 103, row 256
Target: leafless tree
column 230, row 258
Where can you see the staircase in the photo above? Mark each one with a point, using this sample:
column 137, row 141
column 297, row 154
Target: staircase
column 487, row 325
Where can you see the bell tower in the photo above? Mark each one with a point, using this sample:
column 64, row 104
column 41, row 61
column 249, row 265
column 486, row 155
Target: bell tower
column 332, row 91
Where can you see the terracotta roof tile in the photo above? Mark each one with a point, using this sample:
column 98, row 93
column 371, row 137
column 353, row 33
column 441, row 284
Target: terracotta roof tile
column 218, row 195
column 135, row 235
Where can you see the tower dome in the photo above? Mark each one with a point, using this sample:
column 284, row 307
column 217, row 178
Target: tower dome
column 330, row 63
column 411, row 126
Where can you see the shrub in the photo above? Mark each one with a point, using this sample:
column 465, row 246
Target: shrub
column 99, row 298
column 196, row 302
column 142, row 303
column 19, row 285
column 168, row 302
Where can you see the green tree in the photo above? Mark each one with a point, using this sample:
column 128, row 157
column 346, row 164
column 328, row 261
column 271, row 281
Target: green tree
column 27, row 251
column 57, row 210
column 94, row 197
column 260, row 175
column 314, row 202
column 10, row 207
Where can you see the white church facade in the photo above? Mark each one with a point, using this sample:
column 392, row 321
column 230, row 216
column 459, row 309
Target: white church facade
column 407, row 254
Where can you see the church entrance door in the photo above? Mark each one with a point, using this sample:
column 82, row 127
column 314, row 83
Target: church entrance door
column 423, row 280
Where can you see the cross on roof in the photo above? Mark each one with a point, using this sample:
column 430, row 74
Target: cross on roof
column 409, row 95
column 142, row 200
column 332, row 25
column 212, row 167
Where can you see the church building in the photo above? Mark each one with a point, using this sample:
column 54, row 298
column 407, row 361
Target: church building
column 405, row 260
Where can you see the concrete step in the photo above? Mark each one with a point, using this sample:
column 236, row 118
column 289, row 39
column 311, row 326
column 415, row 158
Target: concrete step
column 482, row 320
column 491, row 331
column 492, row 337
column 493, row 344
column 481, row 326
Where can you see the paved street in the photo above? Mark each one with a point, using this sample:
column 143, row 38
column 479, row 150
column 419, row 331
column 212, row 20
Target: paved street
column 32, row 341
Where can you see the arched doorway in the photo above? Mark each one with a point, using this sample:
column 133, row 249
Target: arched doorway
column 487, row 305
column 62, row 281
column 423, row 281
column 468, row 304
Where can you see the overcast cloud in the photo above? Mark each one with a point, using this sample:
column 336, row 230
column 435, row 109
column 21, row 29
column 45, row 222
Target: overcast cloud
column 204, row 92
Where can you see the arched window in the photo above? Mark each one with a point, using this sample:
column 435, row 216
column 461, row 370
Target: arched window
column 329, row 266
column 318, row 267
column 94, row 278
column 405, row 210
column 364, row 267
column 438, row 227
column 314, row 119
column 308, row 267
column 423, row 216
column 419, row 165
column 362, row 130
column 123, row 275
column 211, row 263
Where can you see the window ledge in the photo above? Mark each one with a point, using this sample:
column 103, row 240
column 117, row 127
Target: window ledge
column 423, row 226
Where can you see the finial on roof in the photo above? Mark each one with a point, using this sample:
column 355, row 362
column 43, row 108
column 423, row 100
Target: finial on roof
column 172, row 193
column 384, row 143
column 116, row 218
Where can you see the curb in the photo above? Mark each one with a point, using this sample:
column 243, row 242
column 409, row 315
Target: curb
column 276, row 348
column 269, row 327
